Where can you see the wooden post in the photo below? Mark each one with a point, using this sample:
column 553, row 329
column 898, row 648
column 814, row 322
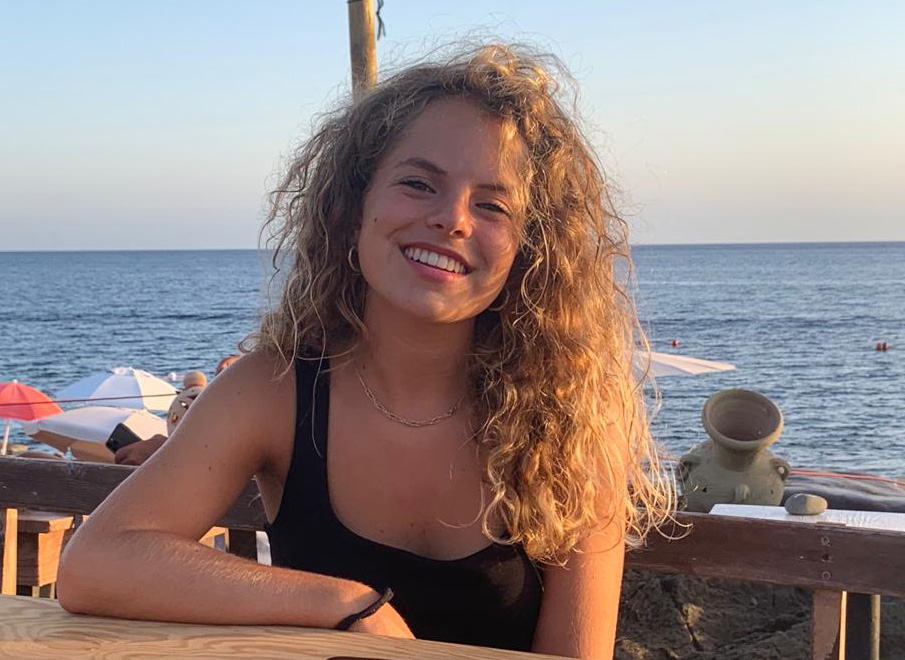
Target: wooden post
column 363, row 46
column 828, row 625
column 10, row 520
column 863, row 614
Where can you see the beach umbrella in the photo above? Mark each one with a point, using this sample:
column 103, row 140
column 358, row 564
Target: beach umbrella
column 667, row 364
column 123, row 387
column 85, row 430
column 19, row 401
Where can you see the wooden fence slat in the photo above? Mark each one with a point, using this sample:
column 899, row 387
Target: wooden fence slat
column 77, row 487
column 814, row 556
column 10, row 520
column 828, row 625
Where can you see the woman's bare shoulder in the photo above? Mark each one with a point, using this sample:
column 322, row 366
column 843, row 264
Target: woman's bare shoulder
column 258, row 390
column 261, row 369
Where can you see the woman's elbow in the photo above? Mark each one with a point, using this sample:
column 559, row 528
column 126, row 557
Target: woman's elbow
column 78, row 581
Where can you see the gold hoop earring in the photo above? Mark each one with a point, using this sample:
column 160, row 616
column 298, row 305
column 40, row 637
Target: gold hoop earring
column 355, row 269
column 499, row 307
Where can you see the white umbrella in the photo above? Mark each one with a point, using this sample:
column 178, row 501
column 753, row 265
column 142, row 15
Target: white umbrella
column 118, row 386
column 666, row 364
column 85, row 430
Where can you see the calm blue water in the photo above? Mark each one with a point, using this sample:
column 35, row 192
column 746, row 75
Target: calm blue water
column 799, row 321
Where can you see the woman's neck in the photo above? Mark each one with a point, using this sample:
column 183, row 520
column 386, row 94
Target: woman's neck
column 412, row 363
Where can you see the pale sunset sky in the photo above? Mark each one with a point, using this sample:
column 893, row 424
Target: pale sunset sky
column 161, row 124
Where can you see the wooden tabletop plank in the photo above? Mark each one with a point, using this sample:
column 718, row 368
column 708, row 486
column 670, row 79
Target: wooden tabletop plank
column 39, row 629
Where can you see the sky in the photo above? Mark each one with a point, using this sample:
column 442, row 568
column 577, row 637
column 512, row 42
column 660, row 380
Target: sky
column 158, row 124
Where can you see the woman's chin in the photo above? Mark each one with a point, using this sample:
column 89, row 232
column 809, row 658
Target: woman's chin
column 435, row 312
column 429, row 307
column 438, row 315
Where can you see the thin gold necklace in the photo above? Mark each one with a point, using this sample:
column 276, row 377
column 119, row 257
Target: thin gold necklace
column 414, row 423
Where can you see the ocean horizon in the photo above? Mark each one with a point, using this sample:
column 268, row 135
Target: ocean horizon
column 799, row 320
column 632, row 246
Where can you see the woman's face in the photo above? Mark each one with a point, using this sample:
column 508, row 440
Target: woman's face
column 439, row 220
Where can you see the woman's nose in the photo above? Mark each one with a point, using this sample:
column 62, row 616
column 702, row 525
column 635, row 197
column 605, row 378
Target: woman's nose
column 454, row 218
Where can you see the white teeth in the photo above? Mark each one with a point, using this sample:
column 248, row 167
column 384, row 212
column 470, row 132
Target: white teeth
column 440, row 261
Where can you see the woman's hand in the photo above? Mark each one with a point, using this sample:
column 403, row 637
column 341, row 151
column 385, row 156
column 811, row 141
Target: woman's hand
column 386, row 621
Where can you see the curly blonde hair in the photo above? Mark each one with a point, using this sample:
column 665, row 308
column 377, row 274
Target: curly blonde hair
column 563, row 428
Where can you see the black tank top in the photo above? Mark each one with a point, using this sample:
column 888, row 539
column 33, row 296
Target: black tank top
column 490, row 598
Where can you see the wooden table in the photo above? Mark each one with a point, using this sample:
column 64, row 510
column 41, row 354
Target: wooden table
column 39, row 629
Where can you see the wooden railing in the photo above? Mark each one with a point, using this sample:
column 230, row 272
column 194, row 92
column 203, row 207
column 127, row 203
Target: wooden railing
column 829, row 559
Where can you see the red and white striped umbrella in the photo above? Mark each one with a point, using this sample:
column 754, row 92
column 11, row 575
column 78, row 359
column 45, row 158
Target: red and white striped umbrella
column 20, row 401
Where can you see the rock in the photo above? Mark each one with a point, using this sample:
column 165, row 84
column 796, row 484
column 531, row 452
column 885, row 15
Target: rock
column 805, row 504
column 681, row 617
column 651, row 625
column 892, row 630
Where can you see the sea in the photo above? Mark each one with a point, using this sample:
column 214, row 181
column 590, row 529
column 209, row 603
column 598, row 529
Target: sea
column 799, row 321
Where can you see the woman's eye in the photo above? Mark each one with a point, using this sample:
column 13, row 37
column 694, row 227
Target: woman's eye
column 493, row 206
column 417, row 184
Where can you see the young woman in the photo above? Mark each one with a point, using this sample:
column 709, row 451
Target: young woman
column 441, row 405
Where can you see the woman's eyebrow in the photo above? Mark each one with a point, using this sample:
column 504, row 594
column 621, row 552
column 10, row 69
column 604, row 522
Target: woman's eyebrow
column 494, row 187
column 423, row 164
column 433, row 168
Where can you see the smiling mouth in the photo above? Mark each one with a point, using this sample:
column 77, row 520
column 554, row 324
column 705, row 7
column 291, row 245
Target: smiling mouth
column 439, row 261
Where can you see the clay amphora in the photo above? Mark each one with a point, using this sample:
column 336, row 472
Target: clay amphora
column 734, row 466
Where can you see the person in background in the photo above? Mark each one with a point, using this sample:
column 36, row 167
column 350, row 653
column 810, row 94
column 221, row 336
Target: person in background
column 441, row 410
column 192, row 384
column 138, row 452
column 224, row 363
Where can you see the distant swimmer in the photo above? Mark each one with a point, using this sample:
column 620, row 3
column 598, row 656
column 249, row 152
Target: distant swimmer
column 882, row 346
column 675, row 343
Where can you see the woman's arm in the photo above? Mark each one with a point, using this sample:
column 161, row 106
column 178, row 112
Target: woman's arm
column 580, row 606
column 137, row 556
column 581, row 600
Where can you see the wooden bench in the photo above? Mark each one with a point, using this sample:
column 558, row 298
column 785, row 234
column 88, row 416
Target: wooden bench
column 41, row 537
column 832, row 560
